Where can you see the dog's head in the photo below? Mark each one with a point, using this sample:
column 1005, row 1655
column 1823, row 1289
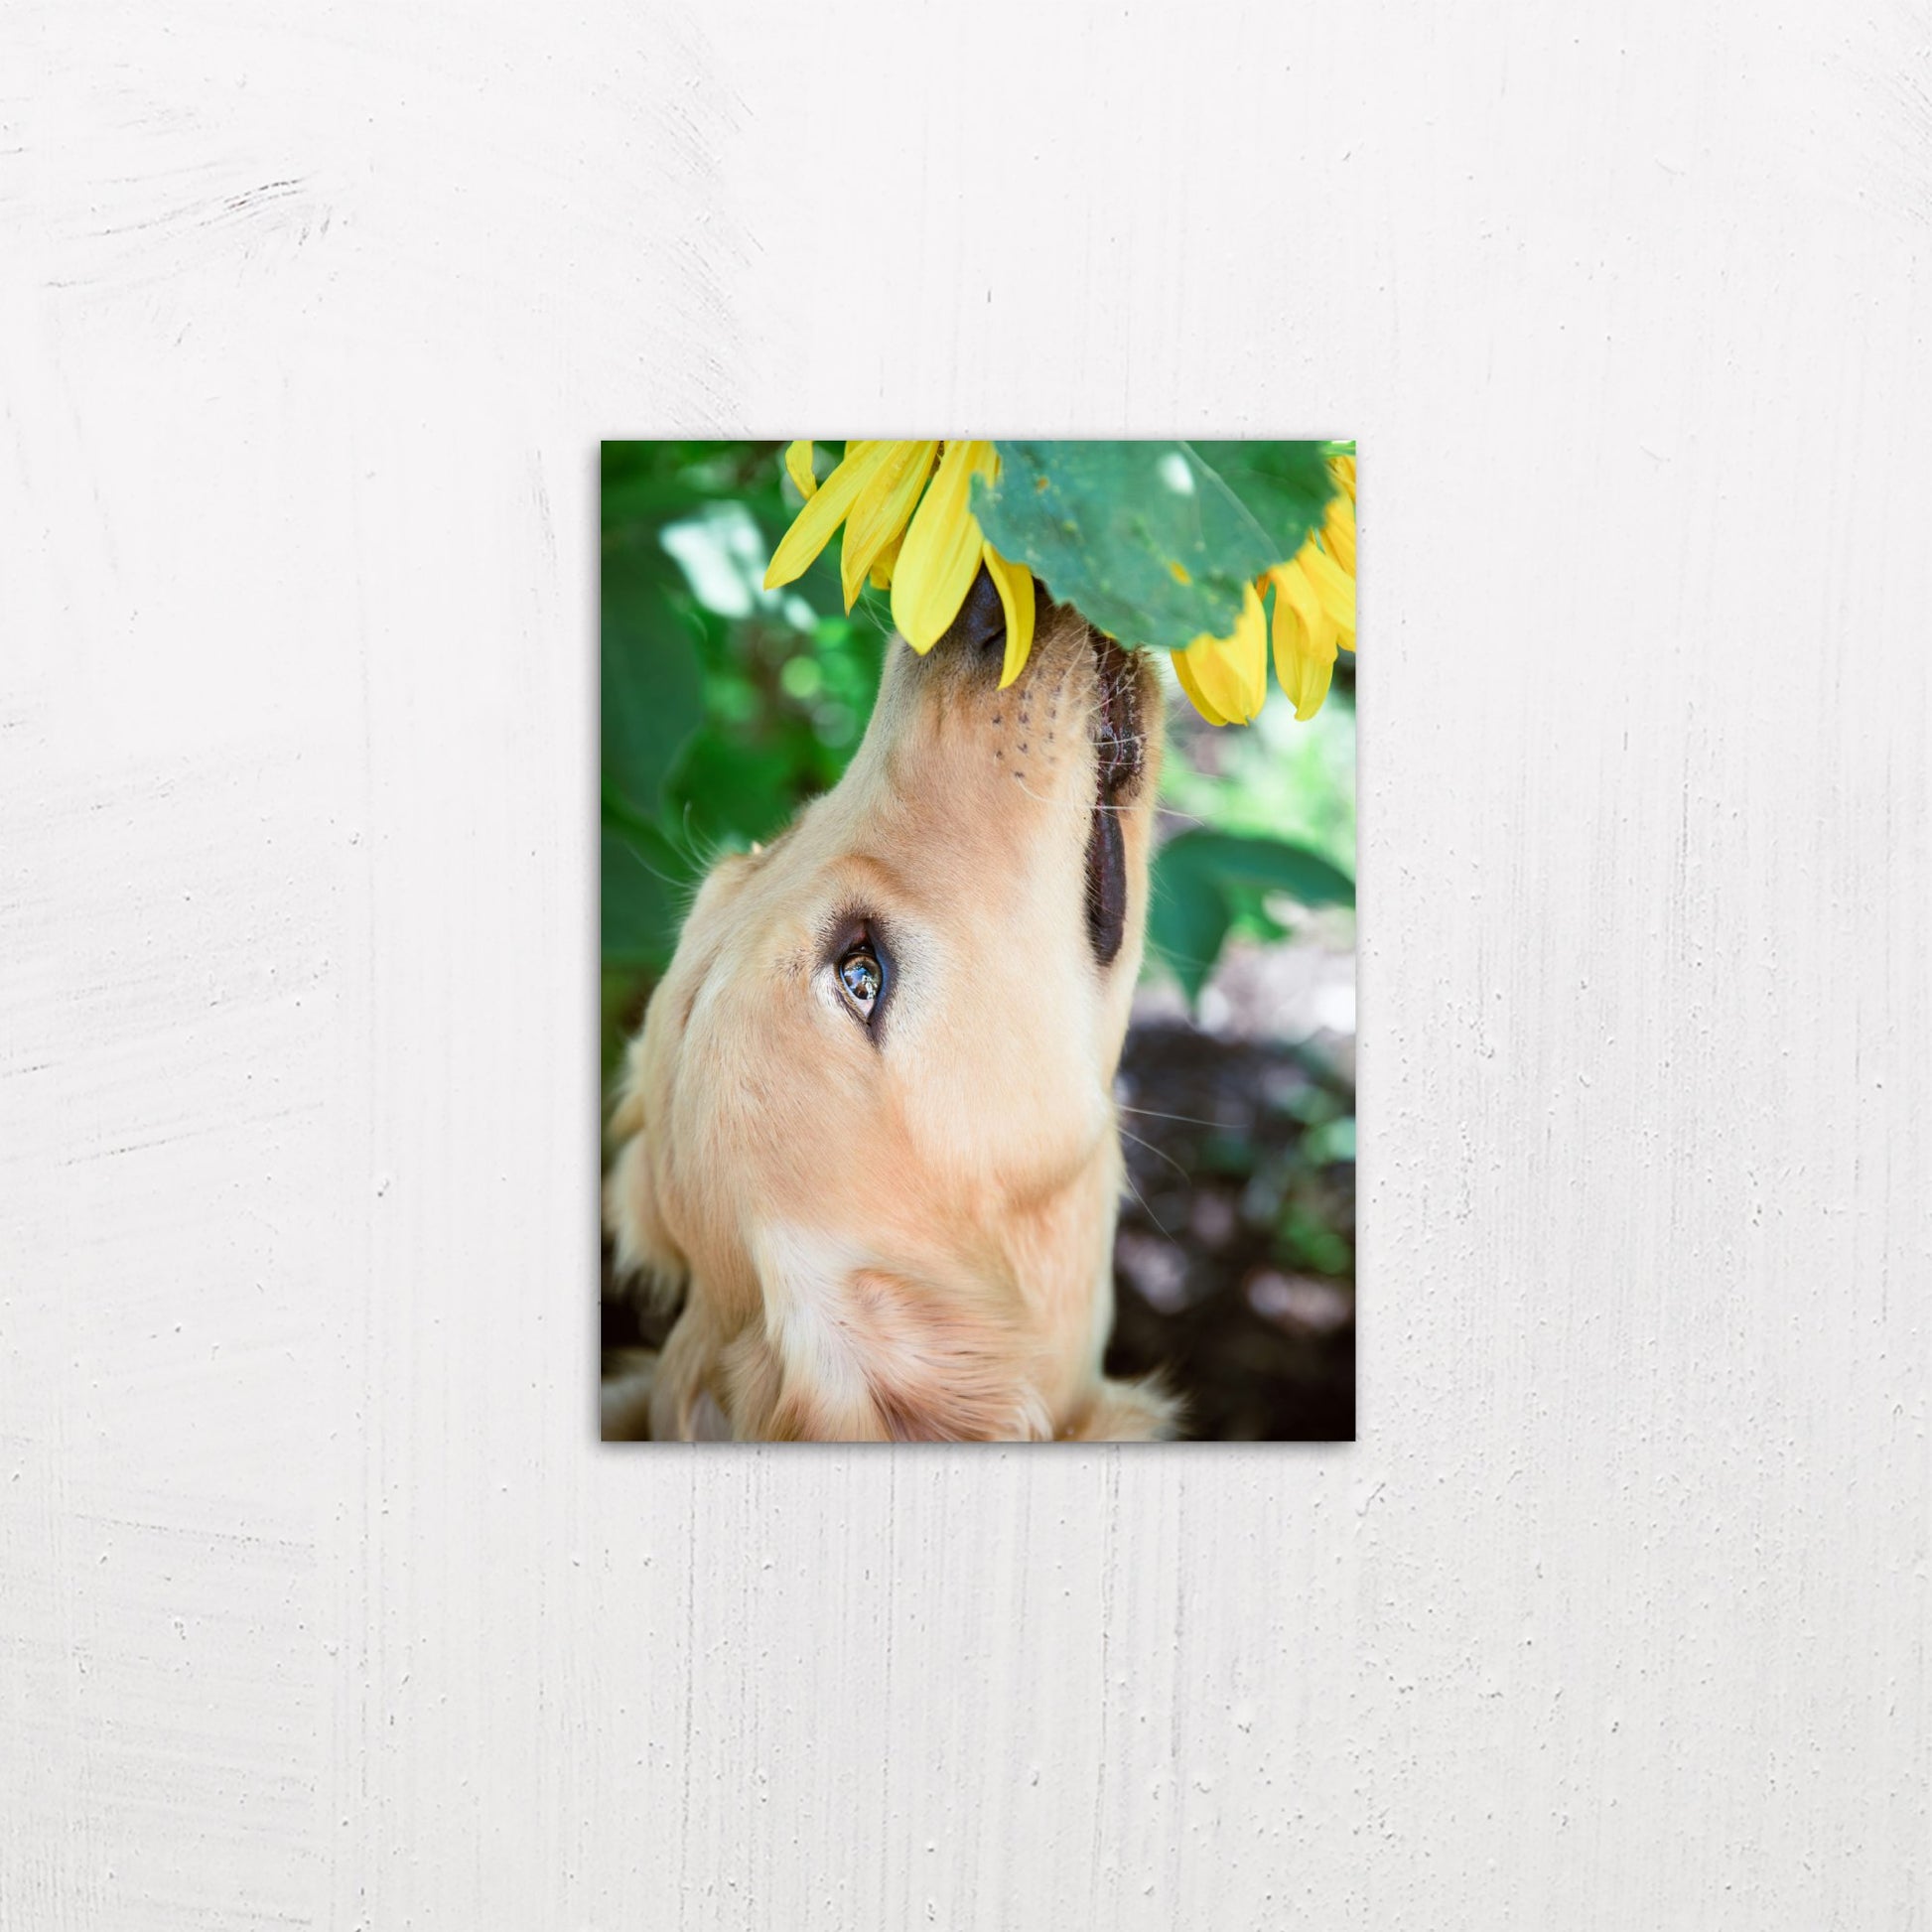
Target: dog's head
column 867, row 1128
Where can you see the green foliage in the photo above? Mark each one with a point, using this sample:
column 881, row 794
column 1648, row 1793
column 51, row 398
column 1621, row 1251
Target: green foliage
column 1153, row 542
column 1303, row 1238
column 653, row 698
column 1204, row 880
column 1280, row 777
column 645, row 881
column 725, row 706
column 786, row 708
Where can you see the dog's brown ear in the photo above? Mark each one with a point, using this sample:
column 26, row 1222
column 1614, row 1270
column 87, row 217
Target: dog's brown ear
column 645, row 1251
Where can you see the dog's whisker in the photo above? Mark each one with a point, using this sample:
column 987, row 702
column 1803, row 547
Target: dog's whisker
column 1160, row 1154
column 676, row 886
column 1152, row 1113
column 1042, row 799
column 703, row 852
column 683, row 839
column 1144, row 1208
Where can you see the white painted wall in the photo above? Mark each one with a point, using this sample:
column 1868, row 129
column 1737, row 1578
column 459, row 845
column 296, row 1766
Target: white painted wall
column 319, row 1605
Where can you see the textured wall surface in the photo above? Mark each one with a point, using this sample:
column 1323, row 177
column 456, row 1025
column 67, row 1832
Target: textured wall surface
column 319, row 1605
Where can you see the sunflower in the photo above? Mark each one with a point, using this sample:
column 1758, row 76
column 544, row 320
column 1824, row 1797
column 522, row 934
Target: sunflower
column 910, row 529
column 1226, row 678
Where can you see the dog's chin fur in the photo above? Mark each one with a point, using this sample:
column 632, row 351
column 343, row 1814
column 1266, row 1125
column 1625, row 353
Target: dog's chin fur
column 904, row 1230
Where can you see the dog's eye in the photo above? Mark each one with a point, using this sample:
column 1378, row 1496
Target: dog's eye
column 861, row 980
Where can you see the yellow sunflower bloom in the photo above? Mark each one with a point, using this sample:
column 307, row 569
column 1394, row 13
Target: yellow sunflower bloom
column 799, row 466
column 1015, row 583
column 1306, row 634
column 1315, row 617
column 1339, row 529
column 878, row 517
column 825, row 509
column 881, row 568
column 1315, row 600
column 943, row 548
column 1226, row 678
column 910, row 529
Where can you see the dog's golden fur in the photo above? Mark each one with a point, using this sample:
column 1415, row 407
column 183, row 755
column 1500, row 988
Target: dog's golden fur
column 901, row 1231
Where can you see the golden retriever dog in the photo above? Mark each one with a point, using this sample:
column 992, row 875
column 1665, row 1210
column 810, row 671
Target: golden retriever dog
column 867, row 1132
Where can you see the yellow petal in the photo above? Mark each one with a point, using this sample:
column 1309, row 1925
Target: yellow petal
column 881, row 568
column 1232, row 672
column 799, row 466
column 1192, row 688
column 1338, row 536
column 811, row 529
column 941, row 556
column 1338, row 525
column 1334, row 588
column 1219, row 679
column 1304, row 640
column 1015, row 583
column 879, row 515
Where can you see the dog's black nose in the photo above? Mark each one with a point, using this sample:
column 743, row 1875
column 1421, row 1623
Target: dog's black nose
column 982, row 619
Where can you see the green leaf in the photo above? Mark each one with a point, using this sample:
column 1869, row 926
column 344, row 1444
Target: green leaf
column 1201, row 880
column 1267, row 865
column 1287, row 485
column 653, row 696
column 1188, row 918
column 1153, row 542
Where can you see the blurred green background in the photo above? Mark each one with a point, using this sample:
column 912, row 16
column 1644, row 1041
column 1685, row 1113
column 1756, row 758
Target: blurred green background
column 725, row 706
